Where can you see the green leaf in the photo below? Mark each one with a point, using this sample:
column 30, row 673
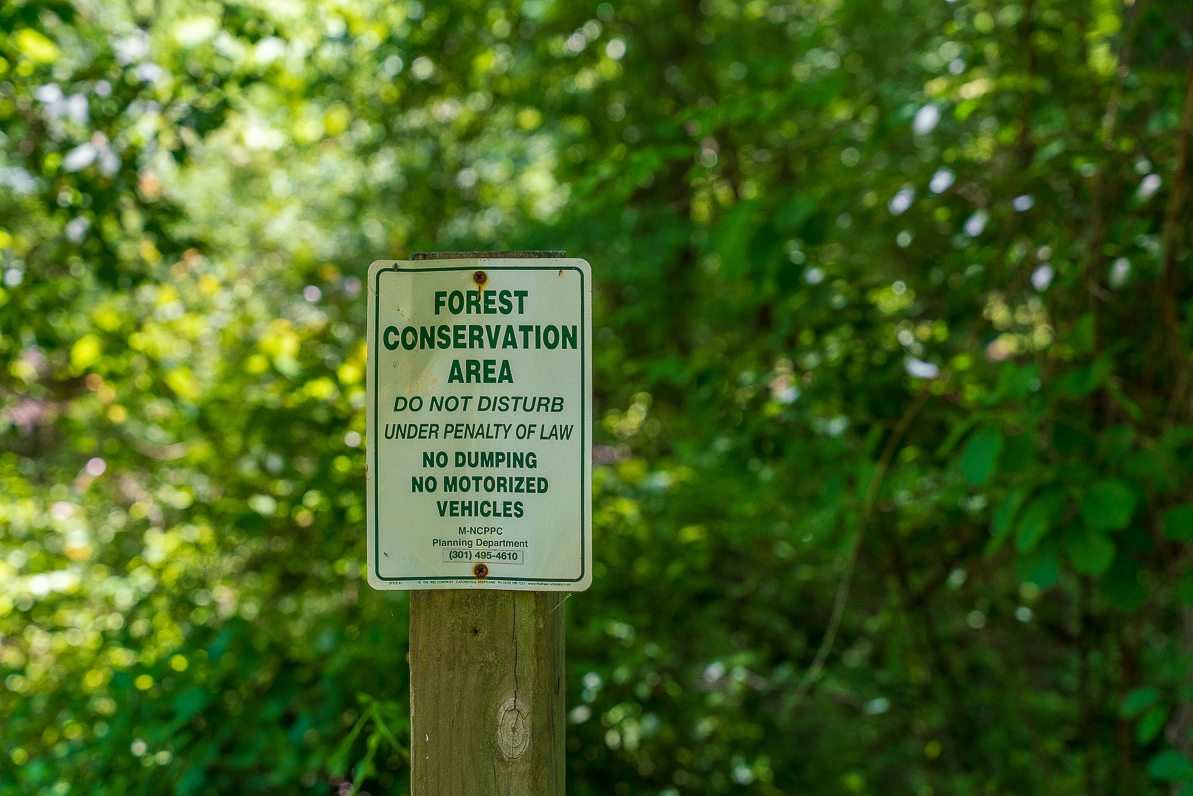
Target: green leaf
column 189, row 702
column 1122, row 586
column 1014, row 382
column 1081, row 336
column 817, row 523
column 1184, row 589
column 791, row 215
column 1115, row 443
column 1178, row 523
column 1090, row 550
column 1018, row 453
column 337, row 762
column 1068, row 438
column 35, row 46
column 1106, row 505
column 1171, row 765
column 1039, row 566
column 1151, row 724
column 1038, row 517
column 85, row 352
column 1130, row 407
column 955, row 435
column 1172, row 440
column 1138, row 701
column 1082, row 381
column 733, row 239
column 1003, row 517
column 190, row 781
column 980, row 455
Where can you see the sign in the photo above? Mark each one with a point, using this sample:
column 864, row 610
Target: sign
column 480, row 424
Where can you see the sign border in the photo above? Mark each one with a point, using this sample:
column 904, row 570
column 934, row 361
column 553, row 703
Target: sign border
column 586, row 489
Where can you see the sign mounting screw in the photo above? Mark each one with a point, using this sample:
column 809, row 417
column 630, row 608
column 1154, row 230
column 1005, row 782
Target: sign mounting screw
column 480, row 570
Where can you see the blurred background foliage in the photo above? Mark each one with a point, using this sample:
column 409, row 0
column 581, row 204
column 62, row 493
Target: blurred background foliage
column 893, row 383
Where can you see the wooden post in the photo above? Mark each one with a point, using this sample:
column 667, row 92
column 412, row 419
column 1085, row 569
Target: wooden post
column 486, row 680
column 486, row 693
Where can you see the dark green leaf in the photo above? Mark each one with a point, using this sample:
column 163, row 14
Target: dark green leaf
column 1038, row 517
column 1122, row 586
column 1083, row 380
column 1090, row 550
column 1178, row 523
column 1081, row 336
column 980, row 454
column 792, row 214
column 189, row 702
column 1039, row 567
column 1069, row 438
column 1003, row 516
column 1106, row 505
column 1018, row 453
column 1184, row 589
column 733, row 239
column 1130, row 407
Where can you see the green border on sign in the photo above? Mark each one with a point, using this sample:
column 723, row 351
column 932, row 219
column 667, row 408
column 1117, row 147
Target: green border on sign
column 377, row 347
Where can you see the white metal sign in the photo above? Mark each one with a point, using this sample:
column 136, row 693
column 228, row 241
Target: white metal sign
column 480, row 424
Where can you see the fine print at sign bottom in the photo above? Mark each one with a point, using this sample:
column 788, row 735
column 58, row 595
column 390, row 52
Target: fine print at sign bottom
column 480, row 424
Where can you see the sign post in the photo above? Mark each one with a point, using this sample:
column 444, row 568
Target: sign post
column 479, row 502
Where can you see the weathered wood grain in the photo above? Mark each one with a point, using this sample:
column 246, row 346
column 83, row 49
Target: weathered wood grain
column 486, row 693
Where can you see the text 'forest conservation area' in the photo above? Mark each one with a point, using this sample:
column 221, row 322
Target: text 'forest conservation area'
column 480, row 424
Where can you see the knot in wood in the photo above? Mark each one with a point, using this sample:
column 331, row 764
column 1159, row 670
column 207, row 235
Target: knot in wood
column 513, row 728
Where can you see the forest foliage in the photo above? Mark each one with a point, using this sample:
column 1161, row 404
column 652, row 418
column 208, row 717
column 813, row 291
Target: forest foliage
column 892, row 379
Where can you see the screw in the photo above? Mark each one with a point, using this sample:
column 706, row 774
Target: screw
column 480, row 570
column 480, row 277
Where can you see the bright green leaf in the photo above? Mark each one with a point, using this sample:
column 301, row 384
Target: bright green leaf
column 35, row 46
column 184, row 383
column 1151, row 724
column 85, row 352
column 1171, row 765
column 1138, row 701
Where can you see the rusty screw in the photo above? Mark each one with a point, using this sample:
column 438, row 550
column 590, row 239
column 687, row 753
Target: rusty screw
column 480, row 277
column 480, row 570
